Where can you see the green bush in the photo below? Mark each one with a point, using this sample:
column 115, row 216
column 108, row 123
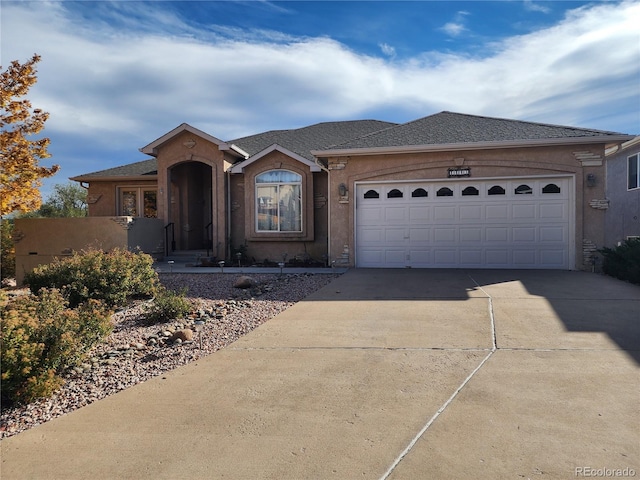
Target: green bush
column 623, row 261
column 112, row 276
column 167, row 305
column 41, row 337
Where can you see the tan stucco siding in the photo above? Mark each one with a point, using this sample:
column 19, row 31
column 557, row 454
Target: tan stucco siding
column 62, row 236
column 310, row 242
column 187, row 147
column 102, row 197
column 589, row 222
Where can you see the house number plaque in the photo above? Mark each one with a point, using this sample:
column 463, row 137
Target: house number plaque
column 459, row 172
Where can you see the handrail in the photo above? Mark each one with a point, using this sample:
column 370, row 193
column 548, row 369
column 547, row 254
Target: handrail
column 209, row 237
column 166, row 238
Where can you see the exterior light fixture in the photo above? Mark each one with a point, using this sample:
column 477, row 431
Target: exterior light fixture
column 591, row 180
column 342, row 190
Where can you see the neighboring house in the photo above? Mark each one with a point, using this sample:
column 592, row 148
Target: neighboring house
column 445, row 191
column 623, row 193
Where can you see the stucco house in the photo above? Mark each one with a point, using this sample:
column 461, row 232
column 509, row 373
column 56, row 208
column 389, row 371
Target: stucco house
column 448, row 190
column 623, row 192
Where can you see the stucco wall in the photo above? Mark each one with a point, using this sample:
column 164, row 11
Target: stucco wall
column 573, row 160
column 102, row 197
column 187, row 147
column 310, row 243
column 623, row 212
column 39, row 240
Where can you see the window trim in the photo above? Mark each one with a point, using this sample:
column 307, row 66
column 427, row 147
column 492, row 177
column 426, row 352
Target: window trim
column 139, row 189
column 278, row 185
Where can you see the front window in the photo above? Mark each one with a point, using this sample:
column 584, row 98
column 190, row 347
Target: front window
column 279, row 201
column 139, row 202
column 634, row 171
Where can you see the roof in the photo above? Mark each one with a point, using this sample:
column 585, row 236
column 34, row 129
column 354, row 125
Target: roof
column 449, row 128
column 441, row 131
column 314, row 137
column 145, row 168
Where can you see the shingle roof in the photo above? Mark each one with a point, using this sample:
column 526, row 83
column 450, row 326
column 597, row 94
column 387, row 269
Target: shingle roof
column 451, row 128
column 314, row 137
column 138, row 169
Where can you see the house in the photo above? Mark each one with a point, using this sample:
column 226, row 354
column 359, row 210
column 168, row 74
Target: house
column 448, row 190
column 623, row 193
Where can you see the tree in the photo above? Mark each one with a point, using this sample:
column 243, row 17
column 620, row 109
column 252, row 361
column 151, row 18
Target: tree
column 20, row 172
column 67, row 200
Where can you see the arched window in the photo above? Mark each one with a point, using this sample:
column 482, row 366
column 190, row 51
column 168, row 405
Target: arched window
column 496, row 190
column 524, row 190
column 371, row 194
column 419, row 192
column 551, row 188
column 470, row 191
column 279, row 201
column 444, row 192
column 395, row 193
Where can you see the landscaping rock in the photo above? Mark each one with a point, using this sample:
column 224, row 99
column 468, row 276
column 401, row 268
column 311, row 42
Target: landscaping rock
column 245, row 282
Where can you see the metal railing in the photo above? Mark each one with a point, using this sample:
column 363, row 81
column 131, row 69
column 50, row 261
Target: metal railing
column 168, row 226
column 209, row 229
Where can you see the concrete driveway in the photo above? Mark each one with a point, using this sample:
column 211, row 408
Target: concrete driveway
column 399, row 374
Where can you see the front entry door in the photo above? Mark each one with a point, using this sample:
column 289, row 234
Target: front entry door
column 191, row 205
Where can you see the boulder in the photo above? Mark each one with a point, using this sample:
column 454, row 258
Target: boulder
column 245, row 282
column 182, row 335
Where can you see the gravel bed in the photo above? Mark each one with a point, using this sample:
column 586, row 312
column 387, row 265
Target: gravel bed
column 135, row 352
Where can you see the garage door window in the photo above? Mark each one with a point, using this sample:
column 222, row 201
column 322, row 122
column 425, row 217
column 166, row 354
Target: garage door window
column 371, row 194
column 395, row 193
column 470, row 191
column 419, row 192
column 524, row 190
column 551, row 188
column 444, row 192
column 496, row 190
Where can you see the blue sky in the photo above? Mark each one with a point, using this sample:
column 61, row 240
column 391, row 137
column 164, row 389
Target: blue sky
column 115, row 76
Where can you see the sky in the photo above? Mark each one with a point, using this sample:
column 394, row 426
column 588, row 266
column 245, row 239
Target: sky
column 116, row 75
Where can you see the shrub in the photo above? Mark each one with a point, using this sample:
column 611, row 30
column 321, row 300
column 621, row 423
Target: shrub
column 167, row 305
column 41, row 337
column 623, row 261
column 93, row 274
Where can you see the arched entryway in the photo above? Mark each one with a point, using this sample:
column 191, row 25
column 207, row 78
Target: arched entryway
column 191, row 205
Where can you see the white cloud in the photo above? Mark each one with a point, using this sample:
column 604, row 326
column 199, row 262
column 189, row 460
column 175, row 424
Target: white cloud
column 456, row 27
column 532, row 6
column 387, row 49
column 135, row 85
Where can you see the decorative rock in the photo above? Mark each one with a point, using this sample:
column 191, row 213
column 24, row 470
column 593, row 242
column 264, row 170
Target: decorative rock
column 182, row 335
column 244, row 282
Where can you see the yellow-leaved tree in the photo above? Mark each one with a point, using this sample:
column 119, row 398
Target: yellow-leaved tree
column 20, row 172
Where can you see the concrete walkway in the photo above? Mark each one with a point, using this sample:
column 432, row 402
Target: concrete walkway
column 398, row 374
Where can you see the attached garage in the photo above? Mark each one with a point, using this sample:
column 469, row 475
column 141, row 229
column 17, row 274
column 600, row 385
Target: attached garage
column 524, row 222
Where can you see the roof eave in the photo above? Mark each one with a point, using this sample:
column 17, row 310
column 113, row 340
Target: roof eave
column 152, row 148
column 115, row 178
column 600, row 139
column 239, row 167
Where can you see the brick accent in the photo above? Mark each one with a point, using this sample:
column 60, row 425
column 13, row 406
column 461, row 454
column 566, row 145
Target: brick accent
column 124, row 222
column 589, row 249
column 599, row 204
column 337, row 164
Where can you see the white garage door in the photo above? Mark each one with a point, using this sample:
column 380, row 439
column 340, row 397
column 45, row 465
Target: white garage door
column 514, row 223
